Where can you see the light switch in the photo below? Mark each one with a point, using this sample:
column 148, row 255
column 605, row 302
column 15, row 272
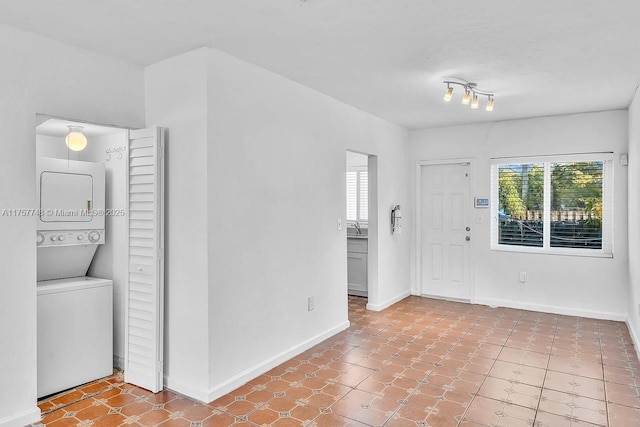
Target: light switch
column 339, row 224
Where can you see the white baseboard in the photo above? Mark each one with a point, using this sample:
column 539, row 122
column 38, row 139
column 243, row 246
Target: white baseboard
column 257, row 370
column 446, row 298
column 21, row 419
column 250, row 373
column 635, row 337
column 592, row 314
column 200, row 395
column 381, row 306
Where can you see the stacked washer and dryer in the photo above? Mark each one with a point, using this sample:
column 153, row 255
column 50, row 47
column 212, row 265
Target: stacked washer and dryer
column 75, row 311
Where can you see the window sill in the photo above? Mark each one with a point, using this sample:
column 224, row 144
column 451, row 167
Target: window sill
column 588, row 253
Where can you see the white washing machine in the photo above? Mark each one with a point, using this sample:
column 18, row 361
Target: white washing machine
column 75, row 312
column 75, row 332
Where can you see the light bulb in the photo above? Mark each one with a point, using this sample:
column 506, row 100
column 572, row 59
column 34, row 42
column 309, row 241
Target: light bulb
column 449, row 94
column 466, row 97
column 489, row 105
column 474, row 103
column 75, row 140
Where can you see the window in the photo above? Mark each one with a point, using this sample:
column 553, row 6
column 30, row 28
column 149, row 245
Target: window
column 555, row 204
column 357, row 195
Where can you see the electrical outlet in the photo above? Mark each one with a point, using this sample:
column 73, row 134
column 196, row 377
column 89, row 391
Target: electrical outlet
column 523, row 276
column 311, row 303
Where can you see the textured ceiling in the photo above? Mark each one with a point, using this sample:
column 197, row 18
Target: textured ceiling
column 386, row 57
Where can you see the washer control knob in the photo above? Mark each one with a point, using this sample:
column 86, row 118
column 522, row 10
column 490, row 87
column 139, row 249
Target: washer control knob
column 54, row 238
column 61, row 238
column 94, row 236
column 80, row 237
column 39, row 238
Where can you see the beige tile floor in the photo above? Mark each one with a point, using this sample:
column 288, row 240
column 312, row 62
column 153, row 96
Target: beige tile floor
column 421, row 362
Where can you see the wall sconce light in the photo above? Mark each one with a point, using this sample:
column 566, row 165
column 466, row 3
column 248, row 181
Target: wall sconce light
column 75, row 140
column 471, row 93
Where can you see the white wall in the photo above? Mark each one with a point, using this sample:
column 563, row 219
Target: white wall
column 176, row 98
column 594, row 287
column 276, row 187
column 42, row 76
column 256, row 182
column 54, row 147
column 356, row 159
column 634, row 228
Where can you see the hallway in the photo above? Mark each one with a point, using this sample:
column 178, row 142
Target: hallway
column 421, row 362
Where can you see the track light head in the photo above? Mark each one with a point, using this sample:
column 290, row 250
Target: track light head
column 466, row 97
column 449, row 94
column 489, row 104
column 474, row 103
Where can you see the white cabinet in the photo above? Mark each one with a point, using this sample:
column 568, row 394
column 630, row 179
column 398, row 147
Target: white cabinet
column 357, row 266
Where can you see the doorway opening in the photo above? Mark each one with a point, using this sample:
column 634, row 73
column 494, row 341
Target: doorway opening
column 99, row 252
column 361, row 221
column 81, row 252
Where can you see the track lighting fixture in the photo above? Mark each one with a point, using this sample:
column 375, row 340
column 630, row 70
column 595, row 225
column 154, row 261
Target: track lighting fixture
column 470, row 95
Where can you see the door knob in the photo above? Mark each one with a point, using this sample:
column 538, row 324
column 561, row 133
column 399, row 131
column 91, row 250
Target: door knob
column 467, row 238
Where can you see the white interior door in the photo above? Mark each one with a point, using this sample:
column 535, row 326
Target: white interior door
column 145, row 293
column 445, row 230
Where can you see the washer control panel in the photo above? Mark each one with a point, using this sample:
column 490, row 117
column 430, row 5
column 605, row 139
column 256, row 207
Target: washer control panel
column 69, row 237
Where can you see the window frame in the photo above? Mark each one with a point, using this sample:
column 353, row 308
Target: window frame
column 607, row 201
column 358, row 171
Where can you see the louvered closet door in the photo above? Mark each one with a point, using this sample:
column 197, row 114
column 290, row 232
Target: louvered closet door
column 144, row 311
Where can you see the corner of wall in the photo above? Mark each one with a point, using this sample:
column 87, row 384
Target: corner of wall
column 21, row 419
column 257, row 370
column 633, row 147
column 389, row 302
column 634, row 337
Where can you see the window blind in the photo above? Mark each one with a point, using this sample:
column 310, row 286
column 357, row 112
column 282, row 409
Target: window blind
column 352, row 196
column 357, row 195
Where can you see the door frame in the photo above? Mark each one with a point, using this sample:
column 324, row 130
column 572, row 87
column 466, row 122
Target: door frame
column 417, row 288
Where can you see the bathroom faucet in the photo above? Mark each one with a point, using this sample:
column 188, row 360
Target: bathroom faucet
column 357, row 227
